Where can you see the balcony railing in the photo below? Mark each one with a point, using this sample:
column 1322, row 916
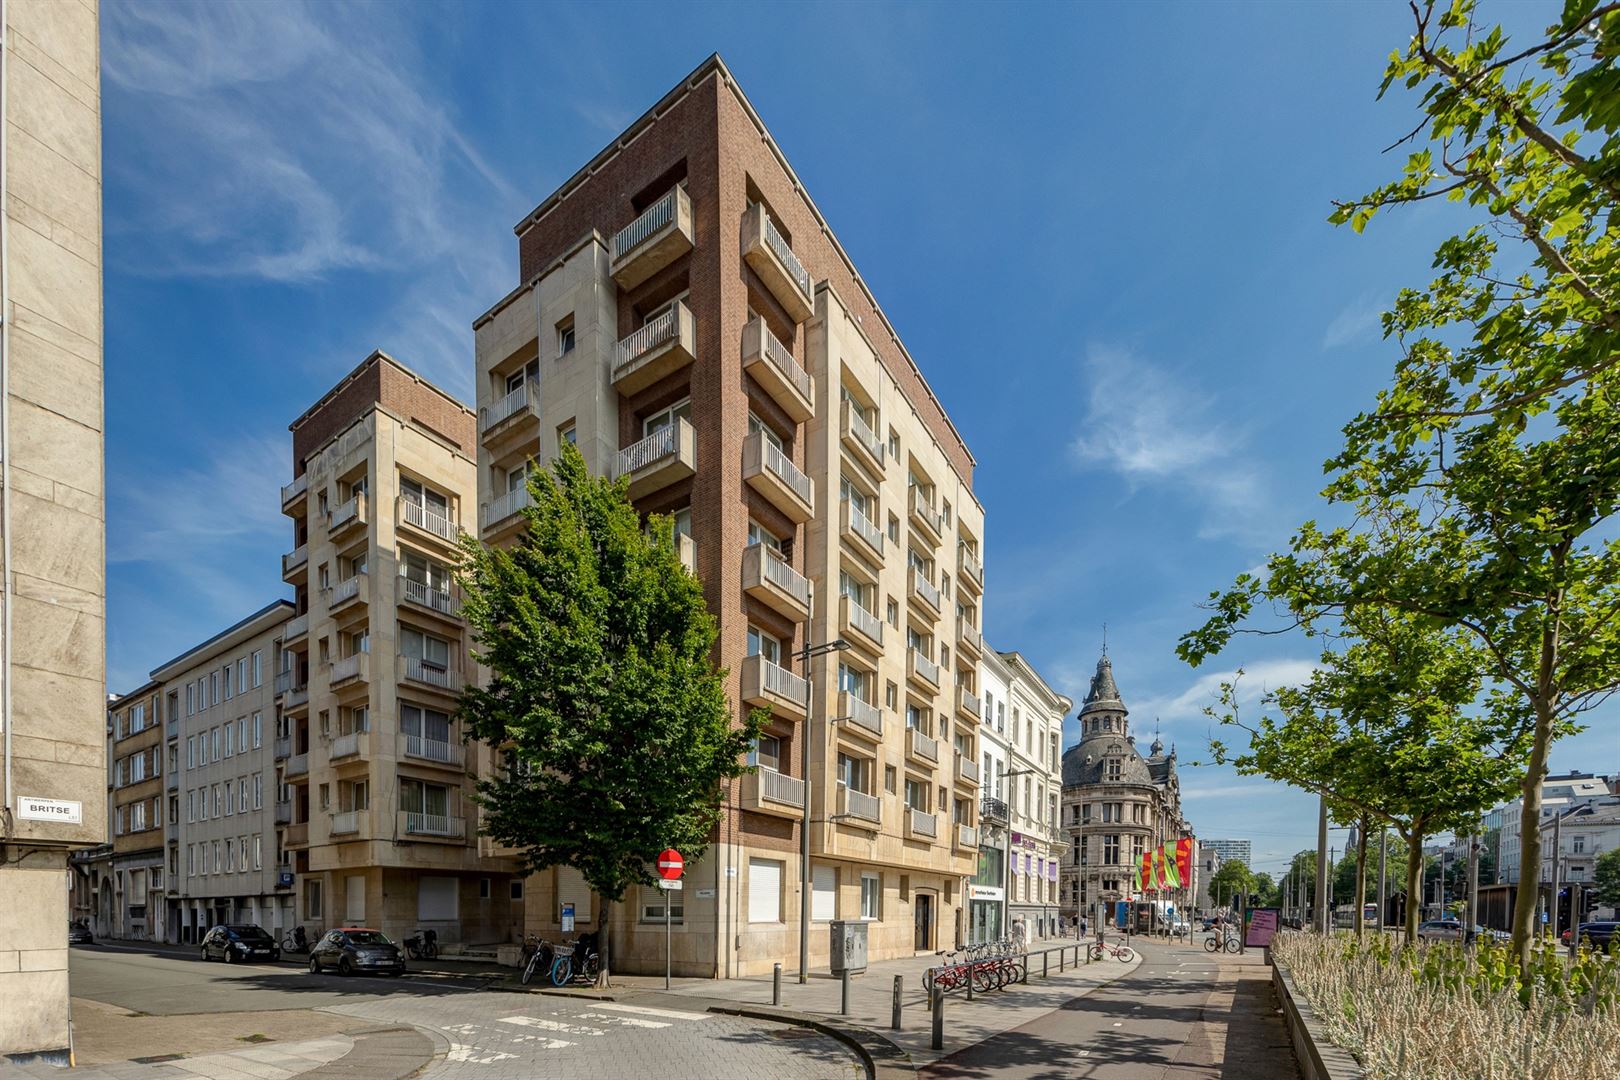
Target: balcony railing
column 992, row 811
column 790, row 262
column 283, row 813
column 863, row 527
column 967, row 836
column 778, row 788
column 295, row 558
column 296, row 697
column 861, row 433
column 969, row 702
column 782, row 466
column 440, row 751
column 968, row 636
column 346, row 822
column 345, row 590
column 428, row 596
column 415, row 670
column 967, row 768
column 971, row 566
column 923, row 746
column 413, row 823
column 283, row 749
column 420, row 516
column 172, row 731
column 924, row 589
column 356, row 666
column 861, row 713
column 654, row 334
column 925, row 515
column 775, row 570
column 655, row 217
column 297, row 765
column 919, row 823
column 660, row 444
column 773, row 366
column 285, row 681
column 345, row 513
column 510, row 405
column 299, row 486
column 863, row 620
column 296, row 834
column 502, row 507
column 296, row 627
column 660, row 235
column 858, row 804
column 778, row 680
column 346, row 745
column 924, row 668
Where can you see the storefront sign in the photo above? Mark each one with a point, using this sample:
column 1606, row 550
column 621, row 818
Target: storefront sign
column 985, row 892
column 61, row 811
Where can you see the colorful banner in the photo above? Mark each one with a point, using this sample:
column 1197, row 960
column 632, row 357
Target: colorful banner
column 1144, row 873
column 1167, row 859
column 1184, row 859
column 1156, row 865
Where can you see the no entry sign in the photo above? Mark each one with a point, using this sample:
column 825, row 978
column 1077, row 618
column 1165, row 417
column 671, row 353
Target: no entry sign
column 670, row 864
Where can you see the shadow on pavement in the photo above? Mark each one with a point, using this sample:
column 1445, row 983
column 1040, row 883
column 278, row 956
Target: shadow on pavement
column 802, row 1042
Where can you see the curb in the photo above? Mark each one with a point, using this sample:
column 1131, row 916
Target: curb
column 883, row 1059
column 1318, row 1057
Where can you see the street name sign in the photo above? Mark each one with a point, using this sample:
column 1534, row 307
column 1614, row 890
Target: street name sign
column 61, row 811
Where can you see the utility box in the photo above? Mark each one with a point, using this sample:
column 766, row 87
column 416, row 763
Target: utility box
column 848, row 947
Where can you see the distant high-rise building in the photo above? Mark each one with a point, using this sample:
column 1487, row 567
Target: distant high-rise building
column 1230, row 850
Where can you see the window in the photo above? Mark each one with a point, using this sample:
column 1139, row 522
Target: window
column 567, row 435
column 892, row 613
column 652, row 905
column 424, row 497
column 230, row 742
column 855, row 773
column 889, row 776
column 764, row 891
column 894, row 444
column 663, row 418
column 213, row 739
column 191, row 699
column 242, row 795
column 855, row 681
column 823, row 893
column 917, row 795
column 432, row 652
column 1577, row 845
column 430, row 726
column 258, row 730
column 763, row 644
column 258, row 669
column 767, row 753
column 756, row 425
column 258, row 791
column 230, row 803
column 217, row 863
column 312, row 898
column 213, row 688
column 516, row 890
column 565, row 337
column 1110, row 849
column 241, row 675
column 871, row 896
column 917, row 718
column 258, row 851
column 894, row 529
column 1114, row 768
column 891, row 696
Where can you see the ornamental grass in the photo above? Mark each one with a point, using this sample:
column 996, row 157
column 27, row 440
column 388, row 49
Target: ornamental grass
column 1441, row 1011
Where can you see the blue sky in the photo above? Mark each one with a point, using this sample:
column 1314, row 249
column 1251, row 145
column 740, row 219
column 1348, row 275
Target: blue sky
column 1100, row 229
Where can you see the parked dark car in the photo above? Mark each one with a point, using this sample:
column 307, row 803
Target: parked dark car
column 354, row 949
column 79, row 934
column 1600, row 934
column 239, row 943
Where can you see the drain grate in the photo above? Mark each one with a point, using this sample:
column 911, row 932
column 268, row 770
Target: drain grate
column 157, row 1059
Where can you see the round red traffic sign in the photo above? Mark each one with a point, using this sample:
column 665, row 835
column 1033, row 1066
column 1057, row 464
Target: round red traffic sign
column 670, row 864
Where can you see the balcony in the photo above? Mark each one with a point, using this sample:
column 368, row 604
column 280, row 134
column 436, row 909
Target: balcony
column 294, row 493
column 662, row 234
column 920, row 747
column 992, row 811
column 172, row 730
column 768, row 578
column 346, row 823
column 428, row 522
column 283, row 749
column 923, row 671
column 297, row 765
column 295, row 563
column 863, row 628
column 295, row 835
column 859, row 717
column 861, row 441
column 967, row 770
column 346, row 592
column 659, row 349
column 428, row 597
column 968, row 703
column 662, row 458
column 861, row 533
column 924, row 592
column 433, row 751
column 858, row 808
column 920, row 826
column 925, row 519
column 295, row 628
column 967, row 837
column 296, row 699
column 422, row 673
column 515, row 414
column 350, row 669
column 770, row 472
column 345, row 746
column 969, row 642
column 503, row 510
column 772, row 365
column 970, row 570
column 284, row 813
column 347, row 517
column 173, row 780
column 768, row 686
column 686, row 548
column 767, row 251
column 432, row 826
column 767, row 792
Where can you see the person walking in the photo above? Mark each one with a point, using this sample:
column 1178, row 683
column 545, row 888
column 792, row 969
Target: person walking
column 1020, row 935
column 1083, row 928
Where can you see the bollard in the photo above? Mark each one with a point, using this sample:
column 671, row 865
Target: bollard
column 938, row 1041
column 1043, row 965
column 1063, row 954
column 776, row 984
column 969, row 971
column 895, row 1022
column 843, row 993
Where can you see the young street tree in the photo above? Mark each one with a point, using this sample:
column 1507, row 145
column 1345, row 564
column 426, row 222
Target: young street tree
column 602, row 694
column 1606, row 876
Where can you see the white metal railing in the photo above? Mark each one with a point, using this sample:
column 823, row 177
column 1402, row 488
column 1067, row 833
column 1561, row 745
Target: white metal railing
column 346, row 745
column 347, row 589
column 345, row 512
column 862, row 713
column 348, row 667
column 419, row 671
column 967, row 768
column 968, row 634
column 864, row 621
column 925, row 588
column 663, row 443
column 297, row 765
column 419, row 824
column 778, row 788
column 660, row 330
column 512, row 403
column 921, row 508
column 778, row 354
column 863, row 432
column 428, row 596
column 967, row 836
column 970, row 702
column 346, row 822
column 502, row 507
column 291, row 491
column 790, row 262
column 779, row 463
column 859, row 804
column 296, row 627
column 652, row 219
column 295, row 558
column 440, row 750
column 776, row 570
column 863, row 527
column 971, row 565
column 925, row 667
column 922, row 824
column 419, row 516
column 778, row 680
column 923, row 746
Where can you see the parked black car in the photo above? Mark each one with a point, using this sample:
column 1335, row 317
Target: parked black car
column 1600, row 934
column 239, row 943
column 79, row 934
column 356, row 949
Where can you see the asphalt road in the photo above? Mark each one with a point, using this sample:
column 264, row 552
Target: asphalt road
column 1184, row 1013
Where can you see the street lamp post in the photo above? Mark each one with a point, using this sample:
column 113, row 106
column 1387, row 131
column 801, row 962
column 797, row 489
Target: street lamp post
column 807, row 654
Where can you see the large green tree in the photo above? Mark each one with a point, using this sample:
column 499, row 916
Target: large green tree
column 1234, row 878
column 602, row 693
column 1606, row 876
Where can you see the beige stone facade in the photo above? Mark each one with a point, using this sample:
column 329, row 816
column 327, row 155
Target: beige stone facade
column 52, row 640
column 381, row 827
column 687, row 319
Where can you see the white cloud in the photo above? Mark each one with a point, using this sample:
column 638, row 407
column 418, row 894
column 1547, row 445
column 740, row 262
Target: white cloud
column 185, row 515
column 1185, row 709
column 1150, row 428
column 1359, row 320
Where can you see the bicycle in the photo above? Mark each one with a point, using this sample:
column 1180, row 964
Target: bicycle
column 539, row 958
column 295, row 940
column 1123, row 953
column 1216, row 942
column 576, row 962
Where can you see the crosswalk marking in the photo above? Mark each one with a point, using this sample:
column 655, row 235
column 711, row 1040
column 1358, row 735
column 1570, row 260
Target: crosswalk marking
column 642, row 1010
column 554, row 1026
column 624, row 1021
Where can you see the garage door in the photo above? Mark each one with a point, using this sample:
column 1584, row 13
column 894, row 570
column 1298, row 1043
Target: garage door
column 436, row 899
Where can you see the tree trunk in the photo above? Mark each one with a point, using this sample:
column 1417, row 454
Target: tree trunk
column 1361, row 875
column 1414, row 882
column 602, row 946
column 1529, row 891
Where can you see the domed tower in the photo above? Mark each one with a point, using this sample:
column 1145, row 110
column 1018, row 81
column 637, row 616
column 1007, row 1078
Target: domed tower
column 1103, row 713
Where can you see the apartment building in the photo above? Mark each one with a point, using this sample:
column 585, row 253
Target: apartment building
column 1034, row 738
column 221, row 797
column 374, row 778
column 687, row 319
column 1560, row 793
column 53, row 707
column 1232, row 850
column 125, row 880
column 987, row 890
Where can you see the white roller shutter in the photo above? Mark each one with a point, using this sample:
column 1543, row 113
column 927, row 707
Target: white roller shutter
column 437, row 899
column 571, row 888
column 764, row 891
column 823, row 893
column 354, row 899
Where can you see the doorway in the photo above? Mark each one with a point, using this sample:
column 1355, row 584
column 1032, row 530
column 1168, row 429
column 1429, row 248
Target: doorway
column 923, row 911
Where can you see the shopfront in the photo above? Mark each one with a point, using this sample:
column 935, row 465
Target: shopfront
column 987, row 897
